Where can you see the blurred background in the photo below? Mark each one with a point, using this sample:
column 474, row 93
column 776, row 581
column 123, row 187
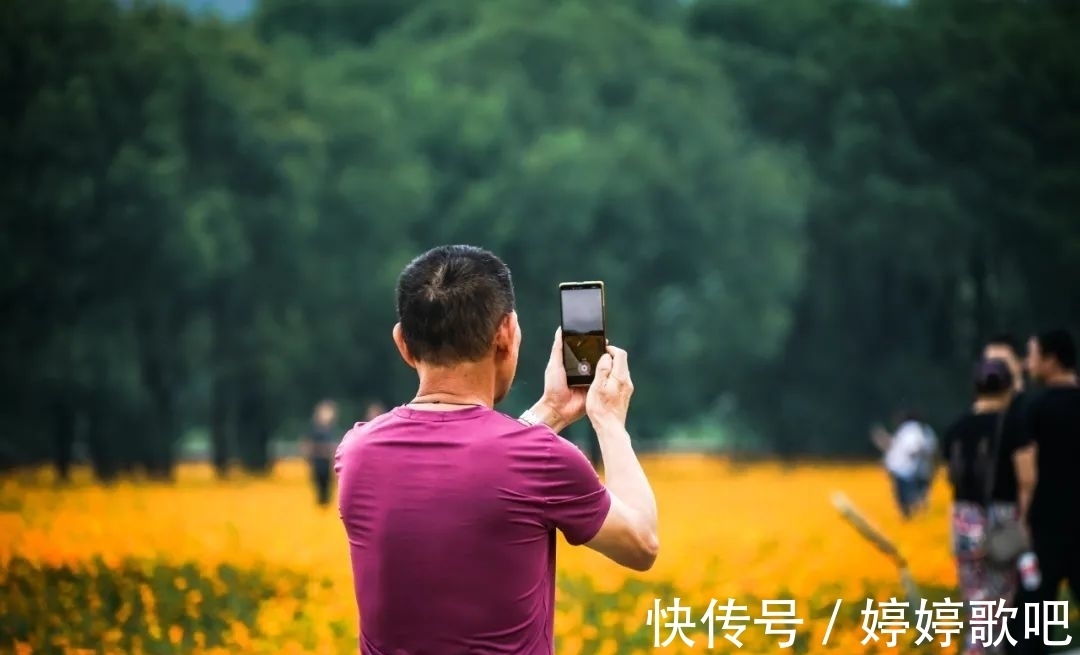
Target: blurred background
column 808, row 214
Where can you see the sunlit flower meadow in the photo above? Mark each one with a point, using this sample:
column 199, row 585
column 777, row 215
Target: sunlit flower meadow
column 254, row 566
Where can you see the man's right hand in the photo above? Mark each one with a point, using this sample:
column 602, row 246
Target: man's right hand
column 629, row 533
column 608, row 398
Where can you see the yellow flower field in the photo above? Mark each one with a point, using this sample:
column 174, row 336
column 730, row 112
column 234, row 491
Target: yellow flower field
column 253, row 566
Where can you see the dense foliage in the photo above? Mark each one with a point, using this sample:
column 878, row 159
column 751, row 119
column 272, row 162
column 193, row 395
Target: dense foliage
column 807, row 214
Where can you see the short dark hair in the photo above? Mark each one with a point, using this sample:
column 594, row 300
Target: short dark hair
column 1006, row 339
column 450, row 301
column 992, row 376
column 1060, row 345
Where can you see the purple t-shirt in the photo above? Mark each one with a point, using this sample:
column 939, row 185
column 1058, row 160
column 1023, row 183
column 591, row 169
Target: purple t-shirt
column 451, row 520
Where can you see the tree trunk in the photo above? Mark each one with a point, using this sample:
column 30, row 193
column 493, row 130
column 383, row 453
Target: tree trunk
column 63, row 432
column 980, row 308
column 221, row 392
column 254, row 426
column 156, row 344
column 99, row 442
column 943, row 343
column 160, row 460
column 219, row 426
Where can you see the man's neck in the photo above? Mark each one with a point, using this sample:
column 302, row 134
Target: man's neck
column 464, row 384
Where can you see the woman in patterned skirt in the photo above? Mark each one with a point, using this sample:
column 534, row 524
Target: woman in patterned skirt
column 974, row 451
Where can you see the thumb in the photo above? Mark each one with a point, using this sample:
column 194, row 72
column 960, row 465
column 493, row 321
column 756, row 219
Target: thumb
column 603, row 367
column 555, row 360
column 556, row 350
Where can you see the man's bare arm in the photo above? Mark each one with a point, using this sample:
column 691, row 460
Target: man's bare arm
column 1024, row 461
column 881, row 438
column 629, row 534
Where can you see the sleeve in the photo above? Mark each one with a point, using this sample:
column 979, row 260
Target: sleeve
column 573, row 498
column 340, row 450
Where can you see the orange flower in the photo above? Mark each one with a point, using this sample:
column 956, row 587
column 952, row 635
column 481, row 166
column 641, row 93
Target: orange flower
column 748, row 533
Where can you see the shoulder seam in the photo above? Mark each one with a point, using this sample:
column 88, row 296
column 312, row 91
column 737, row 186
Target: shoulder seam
column 538, row 426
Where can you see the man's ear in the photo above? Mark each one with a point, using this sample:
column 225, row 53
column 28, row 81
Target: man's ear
column 506, row 335
column 403, row 349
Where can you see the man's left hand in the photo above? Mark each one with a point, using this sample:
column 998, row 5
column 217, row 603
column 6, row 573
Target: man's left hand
column 561, row 405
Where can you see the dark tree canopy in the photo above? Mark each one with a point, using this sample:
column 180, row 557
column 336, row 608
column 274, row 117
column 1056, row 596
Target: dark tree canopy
column 807, row 214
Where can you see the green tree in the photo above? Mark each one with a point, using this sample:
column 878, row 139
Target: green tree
column 330, row 23
column 582, row 141
column 932, row 209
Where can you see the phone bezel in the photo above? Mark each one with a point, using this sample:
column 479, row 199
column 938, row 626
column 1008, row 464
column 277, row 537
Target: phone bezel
column 583, row 380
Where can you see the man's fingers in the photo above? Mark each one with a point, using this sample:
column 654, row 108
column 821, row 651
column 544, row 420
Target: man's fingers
column 556, row 358
column 603, row 367
column 620, row 368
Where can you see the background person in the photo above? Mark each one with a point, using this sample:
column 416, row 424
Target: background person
column 973, row 451
column 374, row 410
column 451, row 507
column 1007, row 347
column 318, row 447
column 1051, row 438
column 927, row 466
column 906, row 455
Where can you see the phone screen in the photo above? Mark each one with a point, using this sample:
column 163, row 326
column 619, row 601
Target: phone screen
column 583, row 329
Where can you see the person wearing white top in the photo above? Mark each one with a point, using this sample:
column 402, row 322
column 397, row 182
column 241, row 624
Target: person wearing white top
column 927, row 465
column 907, row 454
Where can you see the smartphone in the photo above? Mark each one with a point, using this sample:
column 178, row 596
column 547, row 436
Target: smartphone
column 584, row 330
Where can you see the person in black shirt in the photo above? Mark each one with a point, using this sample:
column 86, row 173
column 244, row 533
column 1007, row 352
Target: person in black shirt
column 974, row 449
column 1008, row 348
column 319, row 446
column 1051, row 433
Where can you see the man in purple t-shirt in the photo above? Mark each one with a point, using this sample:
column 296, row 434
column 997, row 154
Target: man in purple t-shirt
column 451, row 507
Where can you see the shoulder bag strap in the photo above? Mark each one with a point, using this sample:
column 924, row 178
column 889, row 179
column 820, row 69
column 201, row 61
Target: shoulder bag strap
column 995, row 450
